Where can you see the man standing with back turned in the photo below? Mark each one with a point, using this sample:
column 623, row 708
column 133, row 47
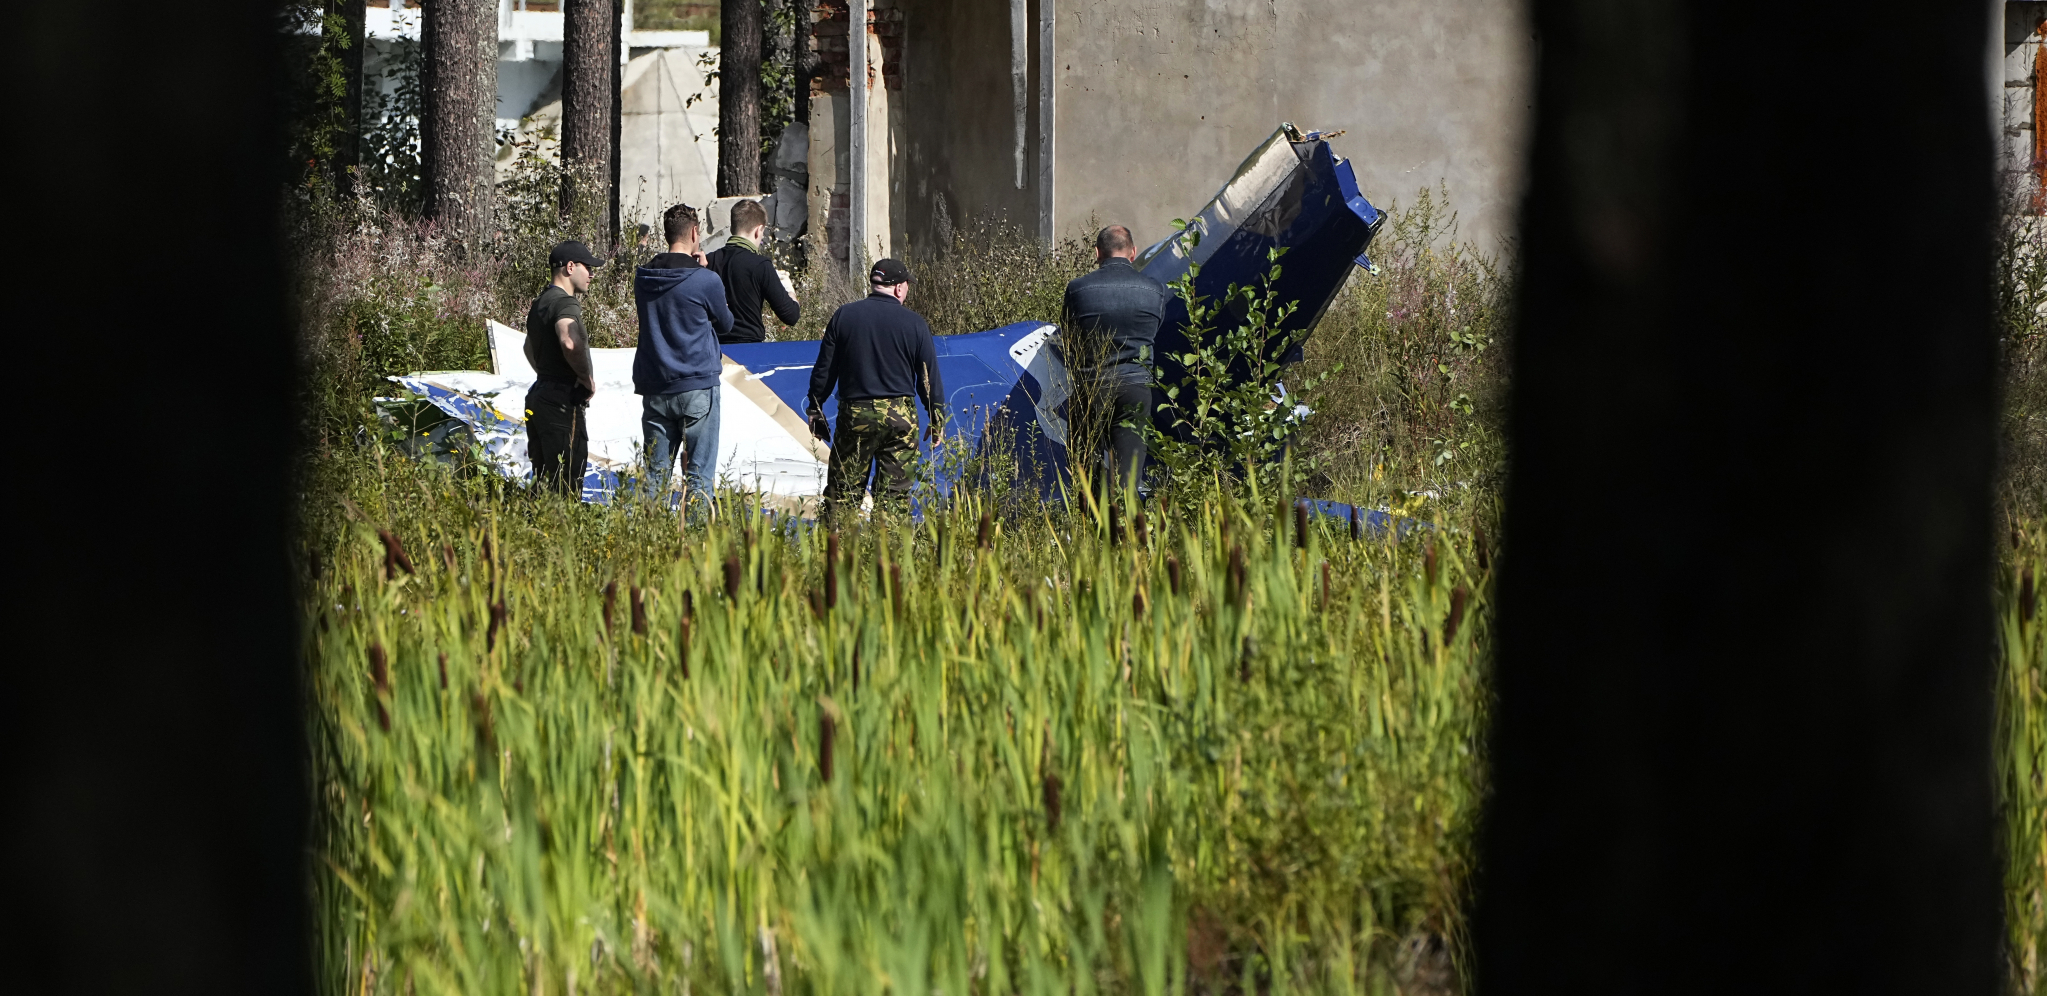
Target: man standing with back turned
column 750, row 277
column 557, row 431
column 676, row 365
column 877, row 353
column 1113, row 315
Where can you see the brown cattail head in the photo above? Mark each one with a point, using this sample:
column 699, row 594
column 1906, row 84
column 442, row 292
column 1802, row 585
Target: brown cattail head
column 856, row 667
column 395, row 559
column 1143, row 528
column 1457, row 598
column 1137, row 604
column 986, row 534
column 1301, row 525
column 1173, row 572
column 1051, row 792
column 380, row 676
column 1485, row 559
column 831, row 572
column 448, row 555
column 639, row 611
column 827, row 731
column 1325, row 586
column 689, row 605
column 2026, row 595
column 682, row 646
column 444, row 670
column 1429, row 563
column 1239, row 577
column 1357, row 524
column 1115, row 525
column 499, row 619
column 895, row 588
column 490, row 567
column 816, row 603
column 486, row 732
column 732, row 576
column 610, row 604
column 1244, row 659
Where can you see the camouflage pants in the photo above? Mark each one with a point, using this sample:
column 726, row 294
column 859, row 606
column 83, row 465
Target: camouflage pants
column 877, row 436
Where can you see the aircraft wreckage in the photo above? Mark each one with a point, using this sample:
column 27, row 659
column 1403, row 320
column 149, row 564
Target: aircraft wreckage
column 1006, row 386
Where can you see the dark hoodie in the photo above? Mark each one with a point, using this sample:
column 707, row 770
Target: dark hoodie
column 682, row 313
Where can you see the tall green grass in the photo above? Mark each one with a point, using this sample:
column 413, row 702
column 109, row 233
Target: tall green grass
column 1077, row 754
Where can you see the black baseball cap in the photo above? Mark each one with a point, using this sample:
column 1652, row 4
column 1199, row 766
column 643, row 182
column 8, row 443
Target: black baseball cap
column 889, row 272
column 572, row 252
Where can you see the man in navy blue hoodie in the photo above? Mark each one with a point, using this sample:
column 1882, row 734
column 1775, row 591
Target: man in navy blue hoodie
column 676, row 365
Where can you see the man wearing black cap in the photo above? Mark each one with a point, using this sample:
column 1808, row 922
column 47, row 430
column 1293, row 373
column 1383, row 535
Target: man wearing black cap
column 557, row 433
column 878, row 354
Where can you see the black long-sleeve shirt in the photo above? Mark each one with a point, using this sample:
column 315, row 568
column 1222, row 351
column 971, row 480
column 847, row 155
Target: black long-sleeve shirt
column 750, row 281
column 876, row 348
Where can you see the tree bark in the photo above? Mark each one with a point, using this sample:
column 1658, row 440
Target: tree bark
column 589, row 61
column 618, row 30
column 739, row 98
column 804, row 58
column 458, row 123
column 348, row 145
column 1742, row 731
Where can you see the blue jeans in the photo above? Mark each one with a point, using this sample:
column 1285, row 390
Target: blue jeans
column 686, row 421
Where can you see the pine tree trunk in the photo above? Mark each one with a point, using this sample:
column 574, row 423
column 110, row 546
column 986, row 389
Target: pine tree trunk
column 348, row 145
column 460, row 39
column 589, row 61
column 618, row 29
column 739, row 98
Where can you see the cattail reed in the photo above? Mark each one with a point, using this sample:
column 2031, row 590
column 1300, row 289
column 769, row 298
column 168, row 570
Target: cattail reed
column 395, row 559
column 499, row 619
column 1115, row 525
column 732, row 576
column 1239, row 577
column 380, row 677
column 689, row 605
column 831, row 572
column 1429, row 563
column 682, row 643
column 610, row 604
column 827, row 731
column 895, row 588
column 1325, row 586
column 1244, row 658
column 986, row 534
column 856, row 667
column 816, row 604
column 1137, row 604
column 1051, row 793
column 443, row 662
column 1173, row 573
column 639, row 611
column 2026, row 595
column 1357, row 525
column 1450, row 625
column 1301, row 525
column 1484, row 556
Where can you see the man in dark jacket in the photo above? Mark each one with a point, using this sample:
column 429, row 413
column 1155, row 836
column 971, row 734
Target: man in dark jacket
column 877, row 353
column 1111, row 317
column 677, row 363
column 557, row 431
column 750, row 277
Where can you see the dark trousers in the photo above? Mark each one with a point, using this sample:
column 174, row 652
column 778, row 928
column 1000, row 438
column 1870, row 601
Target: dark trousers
column 557, row 436
column 1133, row 410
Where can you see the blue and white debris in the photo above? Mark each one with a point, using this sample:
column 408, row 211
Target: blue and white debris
column 1006, row 386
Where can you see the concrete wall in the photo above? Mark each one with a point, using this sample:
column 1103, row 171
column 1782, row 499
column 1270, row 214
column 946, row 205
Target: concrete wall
column 956, row 143
column 1159, row 102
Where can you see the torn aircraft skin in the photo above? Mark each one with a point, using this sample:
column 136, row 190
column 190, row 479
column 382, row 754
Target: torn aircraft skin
column 1006, row 387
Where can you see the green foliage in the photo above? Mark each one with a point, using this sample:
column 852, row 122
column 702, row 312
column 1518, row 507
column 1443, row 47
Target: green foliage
column 1059, row 761
column 1228, row 419
column 2022, row 754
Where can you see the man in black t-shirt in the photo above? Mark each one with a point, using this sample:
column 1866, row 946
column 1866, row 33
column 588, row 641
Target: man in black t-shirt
column 557, row 432
column 750, row 277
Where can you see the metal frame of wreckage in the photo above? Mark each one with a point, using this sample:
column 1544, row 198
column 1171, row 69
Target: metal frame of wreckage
column 1005, row 386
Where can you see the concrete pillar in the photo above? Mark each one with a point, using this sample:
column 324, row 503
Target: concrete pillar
column 1048, row 119
column 857, row 94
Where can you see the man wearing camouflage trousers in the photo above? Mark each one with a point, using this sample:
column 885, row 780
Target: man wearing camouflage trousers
column 878, row 354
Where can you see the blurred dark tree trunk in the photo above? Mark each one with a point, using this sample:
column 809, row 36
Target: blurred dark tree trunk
column 589, row 64
column 458, row 123
column 804, row 58
column 739, row 98
column 348, row 145
column 618, row 30
column 1742, row 739
column 157, row 798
